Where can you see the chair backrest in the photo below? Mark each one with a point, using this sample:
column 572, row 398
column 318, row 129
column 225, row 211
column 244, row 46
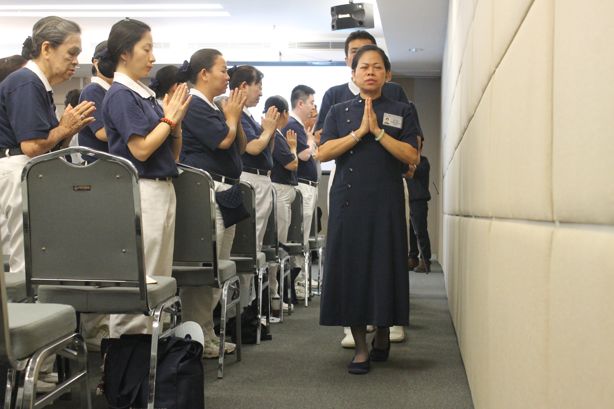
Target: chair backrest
column 6, row 359
column 313, row 232
column 244, row 244
column 82, row 223
column 295, row 232
column 270, row 239
column 195, row 238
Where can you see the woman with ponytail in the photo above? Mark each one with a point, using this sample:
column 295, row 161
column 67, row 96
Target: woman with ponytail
column 165, row 82
column 28, row 123
column 149, row 136
column 211, row 142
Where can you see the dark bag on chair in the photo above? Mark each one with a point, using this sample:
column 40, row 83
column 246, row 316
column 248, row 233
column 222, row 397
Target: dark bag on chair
column 231, row 206
column 179, row 376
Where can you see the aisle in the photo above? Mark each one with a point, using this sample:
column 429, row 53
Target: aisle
column 304, row 365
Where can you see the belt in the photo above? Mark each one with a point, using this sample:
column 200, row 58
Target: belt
column 6, row 152
column 308, row 182
column 224, row 179
column 164, row 179
column 257, row 171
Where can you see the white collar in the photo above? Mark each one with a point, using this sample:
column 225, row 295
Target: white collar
column 137, row 86
column 293, row 115
column 101, row 82
column 246, row 111
column 202, row 96
column 353, row 88
column 32, row 66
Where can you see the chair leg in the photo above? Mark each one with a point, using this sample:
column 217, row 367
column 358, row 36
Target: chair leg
column 11, row 386
column 320, row 264
column 282, row 284
column 238, row 310
column 307, row 258
column 156, row 333
column 259, row 300
column 224, row 305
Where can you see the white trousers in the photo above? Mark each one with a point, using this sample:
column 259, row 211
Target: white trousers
column 12, row 210
column 199, row 302
column 158, row 204
column 310, row 199
column 285, row 196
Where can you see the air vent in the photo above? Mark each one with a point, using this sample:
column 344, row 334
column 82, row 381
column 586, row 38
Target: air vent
column 318, row 45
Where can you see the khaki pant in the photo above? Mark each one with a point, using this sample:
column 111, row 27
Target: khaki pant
column 285, row 196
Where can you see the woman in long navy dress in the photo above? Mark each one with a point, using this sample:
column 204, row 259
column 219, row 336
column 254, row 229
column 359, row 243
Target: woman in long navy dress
column 371, row 137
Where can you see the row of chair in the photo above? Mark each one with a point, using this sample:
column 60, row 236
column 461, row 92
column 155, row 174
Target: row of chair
column 84, row 254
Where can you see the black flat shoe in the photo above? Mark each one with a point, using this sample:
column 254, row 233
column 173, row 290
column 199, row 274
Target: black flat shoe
column 379, row 355
column 359, row 368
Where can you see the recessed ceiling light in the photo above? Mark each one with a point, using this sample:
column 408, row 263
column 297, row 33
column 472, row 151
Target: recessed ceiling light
column 415, row 50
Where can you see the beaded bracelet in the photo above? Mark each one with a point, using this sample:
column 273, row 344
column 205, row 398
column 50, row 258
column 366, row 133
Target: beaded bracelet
column 169, row 122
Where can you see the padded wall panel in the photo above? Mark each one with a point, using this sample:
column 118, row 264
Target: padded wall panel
column 517, row 300
column 478, row 180
column 507, row 18
column 522, row 121
column 450, row 255
column 581, row 349
column 583, row 119
column 452, row 187
column 474, row 317
column 483, row 60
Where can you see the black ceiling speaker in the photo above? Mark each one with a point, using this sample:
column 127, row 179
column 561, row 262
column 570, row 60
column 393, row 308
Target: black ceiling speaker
column 353, row 15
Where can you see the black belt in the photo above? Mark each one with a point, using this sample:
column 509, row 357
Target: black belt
column 257, row 171
column 6, row 152
column 224, row 179
column 308, row 182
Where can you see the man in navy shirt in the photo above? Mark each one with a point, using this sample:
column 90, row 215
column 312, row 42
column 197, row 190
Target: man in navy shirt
column 345, row 92
column 302, row 103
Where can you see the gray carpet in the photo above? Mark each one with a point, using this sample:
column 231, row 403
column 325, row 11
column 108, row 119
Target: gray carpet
column 304, row 365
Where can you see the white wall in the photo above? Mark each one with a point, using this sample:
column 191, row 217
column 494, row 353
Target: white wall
column 528, row 200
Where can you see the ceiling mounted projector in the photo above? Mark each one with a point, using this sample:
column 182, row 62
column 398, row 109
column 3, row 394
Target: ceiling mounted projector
column 353, row 15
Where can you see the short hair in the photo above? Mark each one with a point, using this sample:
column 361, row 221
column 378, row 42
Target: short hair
column 72, row 98
column 278, row 102
column 100, row 49
column 165, row 78
column 123, row 37
column 367, row 48
column 244, row 73
column 10, row 64
column 201, row 59
column 300, row 93
column 358, row 35
column 53, row 29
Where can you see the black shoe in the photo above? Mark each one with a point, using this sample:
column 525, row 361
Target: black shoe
column 379, row 355
column 359, row 368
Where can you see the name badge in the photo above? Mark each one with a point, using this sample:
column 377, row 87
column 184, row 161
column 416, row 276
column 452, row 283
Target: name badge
column 393, row 120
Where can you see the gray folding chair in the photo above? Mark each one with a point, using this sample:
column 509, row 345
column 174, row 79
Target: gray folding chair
column 317, row 242
column 31, row 333
column 83, row 241
column 248, row 259
column 294, row 246
column 15, row 283
column 195, row 262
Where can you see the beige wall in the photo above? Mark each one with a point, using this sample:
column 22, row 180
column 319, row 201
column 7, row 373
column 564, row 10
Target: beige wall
column 528, row 199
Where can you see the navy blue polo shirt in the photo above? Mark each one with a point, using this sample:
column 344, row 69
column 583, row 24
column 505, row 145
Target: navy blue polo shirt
column 281, row 157
column 126, row 112
column 93, row 92
column 306, row 169
column 253, row 130
column 204, row 128
column 343, row 92
column 27, row 110
column 345, row 117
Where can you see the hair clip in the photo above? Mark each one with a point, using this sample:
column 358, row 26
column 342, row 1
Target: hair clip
column 185, row 67
column 154, row 84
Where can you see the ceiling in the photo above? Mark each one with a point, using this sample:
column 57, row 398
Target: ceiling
column 257, row 31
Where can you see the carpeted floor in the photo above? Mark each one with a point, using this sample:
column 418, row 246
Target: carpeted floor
column 304, row 365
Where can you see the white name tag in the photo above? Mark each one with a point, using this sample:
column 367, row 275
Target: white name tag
column 393, row 120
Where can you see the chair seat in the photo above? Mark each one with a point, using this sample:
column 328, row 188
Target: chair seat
column 32, row 326
column 246, row 264
column 316, row 243
column 293, row 249
column 15, row 286
column 108, row 300
column 193, row 276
